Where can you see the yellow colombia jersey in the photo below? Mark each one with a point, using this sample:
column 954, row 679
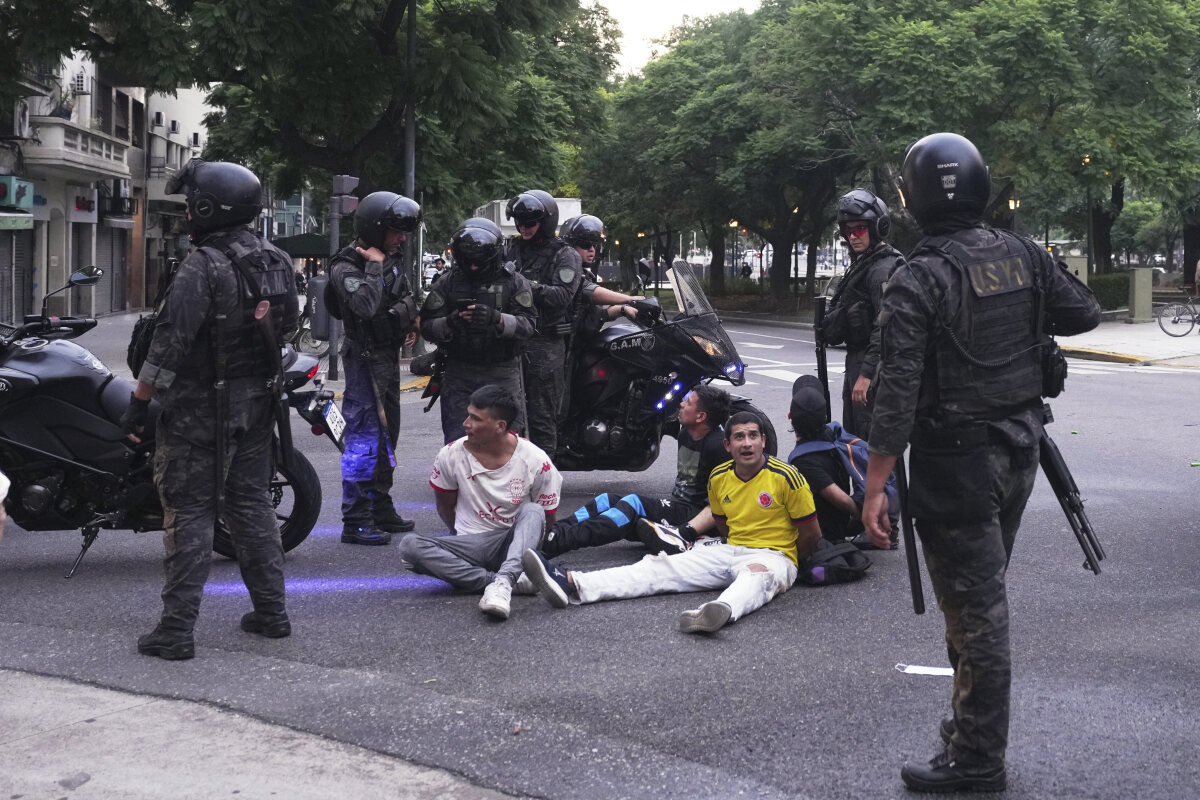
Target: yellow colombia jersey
column 763, row 511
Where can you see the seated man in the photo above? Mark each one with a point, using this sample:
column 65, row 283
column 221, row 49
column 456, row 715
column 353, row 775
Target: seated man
column 823, row 469
column 496, row 491
column 760, row 504
column 701, row 448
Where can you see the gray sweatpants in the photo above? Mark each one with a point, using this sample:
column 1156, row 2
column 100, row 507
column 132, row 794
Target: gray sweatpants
column 473, row 560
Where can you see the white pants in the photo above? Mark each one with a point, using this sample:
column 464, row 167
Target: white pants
column 711, row 564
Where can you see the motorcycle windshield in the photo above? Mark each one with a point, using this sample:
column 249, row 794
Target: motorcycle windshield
column 689, row 295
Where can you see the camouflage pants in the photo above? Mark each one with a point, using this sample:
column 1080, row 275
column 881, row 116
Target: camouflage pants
column 545, row 378
column 462, row 378
column 368, row 462
column 185, row 474
column 967, row 565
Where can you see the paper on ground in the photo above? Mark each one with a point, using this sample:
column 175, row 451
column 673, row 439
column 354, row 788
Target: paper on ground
column 913, row 669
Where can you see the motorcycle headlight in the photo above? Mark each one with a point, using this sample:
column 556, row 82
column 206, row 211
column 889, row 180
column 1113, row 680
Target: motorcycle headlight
column 712, row 349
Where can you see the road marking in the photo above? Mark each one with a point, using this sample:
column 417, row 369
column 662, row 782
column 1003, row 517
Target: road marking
column 761, row 346
column 779, row 374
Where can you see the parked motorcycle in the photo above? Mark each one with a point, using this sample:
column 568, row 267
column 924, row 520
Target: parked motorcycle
column 70, row 463
column 627, row 381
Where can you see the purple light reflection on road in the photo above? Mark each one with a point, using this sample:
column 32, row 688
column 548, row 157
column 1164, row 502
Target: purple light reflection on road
column 417, row 584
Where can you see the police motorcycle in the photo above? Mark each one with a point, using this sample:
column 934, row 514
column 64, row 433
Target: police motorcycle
column 627, row 381
column 70, row 463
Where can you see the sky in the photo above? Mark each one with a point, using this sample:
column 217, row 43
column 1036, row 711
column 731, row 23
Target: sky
column 643, row 20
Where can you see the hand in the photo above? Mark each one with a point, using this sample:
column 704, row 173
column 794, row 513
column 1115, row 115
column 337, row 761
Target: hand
column 371, row 254
column 411, row 339
column 133, row 421
column 859, row 392
column 875, row 520
column 481, row 317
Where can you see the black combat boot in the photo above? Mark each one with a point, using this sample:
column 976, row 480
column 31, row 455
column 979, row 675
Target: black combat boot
column 272, row 626
column 352, row 534
column 168, row 644
column 947, row 773
column 391, row 522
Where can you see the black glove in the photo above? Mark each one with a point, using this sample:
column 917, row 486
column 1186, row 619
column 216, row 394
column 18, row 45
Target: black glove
column 456, row 321
column 484, row 318
column 646, row 311
column 133, row 421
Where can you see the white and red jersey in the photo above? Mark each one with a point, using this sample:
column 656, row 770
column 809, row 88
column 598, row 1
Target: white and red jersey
column 488, row 498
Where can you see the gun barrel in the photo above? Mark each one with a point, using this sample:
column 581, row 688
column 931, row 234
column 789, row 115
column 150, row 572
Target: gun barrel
column 1063, row 483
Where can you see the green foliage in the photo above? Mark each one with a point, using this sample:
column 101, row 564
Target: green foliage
column 1112, row 290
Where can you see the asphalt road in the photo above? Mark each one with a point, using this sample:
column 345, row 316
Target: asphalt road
column 801, row 699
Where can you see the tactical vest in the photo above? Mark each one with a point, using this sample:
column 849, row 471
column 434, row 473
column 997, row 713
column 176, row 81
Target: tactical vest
column 397, row 310
column 538, row 264
column 270, row 278
column 995, row 324
column 478, row 348
column 851, row 291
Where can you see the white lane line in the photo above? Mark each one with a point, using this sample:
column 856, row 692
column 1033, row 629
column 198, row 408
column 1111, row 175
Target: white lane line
column 761, row 346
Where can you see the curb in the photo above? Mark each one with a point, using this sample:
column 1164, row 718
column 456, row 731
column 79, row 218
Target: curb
column 1104, row 355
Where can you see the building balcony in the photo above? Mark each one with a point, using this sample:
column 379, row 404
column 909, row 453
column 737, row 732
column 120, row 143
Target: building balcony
column 62, row 145
column 156, row 184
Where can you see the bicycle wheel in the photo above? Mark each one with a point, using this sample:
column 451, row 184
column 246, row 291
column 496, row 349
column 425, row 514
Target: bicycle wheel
column 1176, row 319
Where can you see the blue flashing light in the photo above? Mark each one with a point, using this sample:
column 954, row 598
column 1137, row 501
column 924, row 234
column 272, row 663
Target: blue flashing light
column 677, row 387
column 660, row 405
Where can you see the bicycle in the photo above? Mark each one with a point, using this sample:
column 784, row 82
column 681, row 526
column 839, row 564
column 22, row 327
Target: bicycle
column 1178, row 319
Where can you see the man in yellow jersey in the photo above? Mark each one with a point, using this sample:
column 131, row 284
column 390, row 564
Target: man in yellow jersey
column 763, row 508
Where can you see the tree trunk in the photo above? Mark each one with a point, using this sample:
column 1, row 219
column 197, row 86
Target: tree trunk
column 781, row 268
column 716, row 268
column 1104, row 215
column 1191, row 249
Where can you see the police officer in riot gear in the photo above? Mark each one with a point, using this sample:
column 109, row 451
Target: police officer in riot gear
column 960, row 380
column 594, row 304
column 554, row 269
column 480, row 314
column 380, row 314
column 864, row 222
column 210, row 364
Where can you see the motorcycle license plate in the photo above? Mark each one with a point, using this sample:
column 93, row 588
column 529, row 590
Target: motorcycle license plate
column 335, row 420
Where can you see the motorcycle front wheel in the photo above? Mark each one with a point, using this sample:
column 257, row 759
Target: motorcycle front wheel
column 305, row 343
column 772, row 447
column 296, row 495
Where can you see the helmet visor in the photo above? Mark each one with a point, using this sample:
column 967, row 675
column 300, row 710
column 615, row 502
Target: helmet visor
column 526, row 210
column 400, row 216
column 178, row 183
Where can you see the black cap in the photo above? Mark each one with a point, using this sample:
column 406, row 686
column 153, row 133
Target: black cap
column 808, row 411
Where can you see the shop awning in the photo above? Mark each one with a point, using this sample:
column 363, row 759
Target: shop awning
column 15, row 220
column 118, row 222
column 304, row 245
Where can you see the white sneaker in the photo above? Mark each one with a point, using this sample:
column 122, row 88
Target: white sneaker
column 496, row 597
column 524, row 586
column 707, row 618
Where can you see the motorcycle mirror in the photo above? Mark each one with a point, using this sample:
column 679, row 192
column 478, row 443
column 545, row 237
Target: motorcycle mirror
column 86, row 276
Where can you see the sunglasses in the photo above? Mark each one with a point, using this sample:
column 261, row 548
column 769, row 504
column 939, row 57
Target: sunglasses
column 856, row 229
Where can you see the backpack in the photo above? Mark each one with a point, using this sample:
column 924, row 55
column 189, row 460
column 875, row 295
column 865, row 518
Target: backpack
column 833, row 563
column 852, row 451
column 143, row 329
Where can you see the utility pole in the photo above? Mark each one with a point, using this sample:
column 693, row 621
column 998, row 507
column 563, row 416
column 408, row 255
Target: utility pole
column 341, row 204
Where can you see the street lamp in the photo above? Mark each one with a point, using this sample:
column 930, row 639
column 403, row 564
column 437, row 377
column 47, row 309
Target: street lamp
column 1014, row 206
column 733, row 223
column 1087, row 159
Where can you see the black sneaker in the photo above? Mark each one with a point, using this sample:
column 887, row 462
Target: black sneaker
column 394, row 523
column 659, row 537
column 272, row 626
column 168, row 644
column 945, row 773
column 352, row 534
column 550, row 579
column 863, row 542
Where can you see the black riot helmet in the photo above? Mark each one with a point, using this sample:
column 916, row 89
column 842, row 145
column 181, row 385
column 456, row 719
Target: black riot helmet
column 584, row 231
column 943, row 174
column 220, row 195
column 477, row 247
column 380, row 212
column 859, row 205
column 535, row 206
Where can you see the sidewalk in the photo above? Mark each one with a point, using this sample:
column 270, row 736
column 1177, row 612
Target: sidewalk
column 65, row 739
